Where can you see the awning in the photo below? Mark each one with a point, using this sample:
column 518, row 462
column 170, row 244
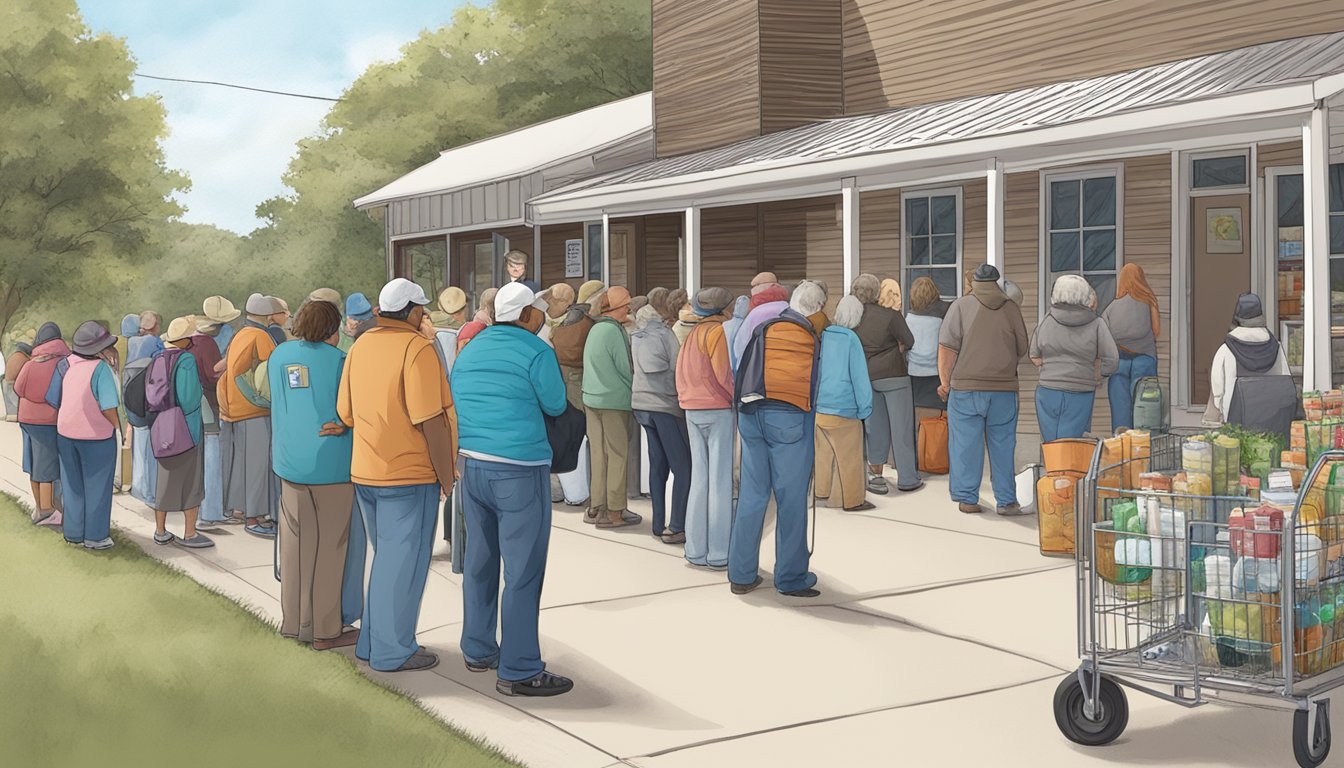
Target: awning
column 1275, row 79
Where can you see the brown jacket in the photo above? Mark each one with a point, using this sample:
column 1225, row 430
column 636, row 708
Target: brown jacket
column 885, row 338
column 570, row 336
column 986, row 331
column 13, row 365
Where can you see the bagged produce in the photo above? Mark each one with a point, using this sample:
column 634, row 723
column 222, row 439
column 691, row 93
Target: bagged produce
column 1253, row 574
column 1197, row 456
column 1226, row 466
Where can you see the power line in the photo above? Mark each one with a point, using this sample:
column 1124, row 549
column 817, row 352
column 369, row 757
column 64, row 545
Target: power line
column 231, row 85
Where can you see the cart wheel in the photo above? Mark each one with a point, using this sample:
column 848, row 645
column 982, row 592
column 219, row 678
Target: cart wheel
column 1311, row 750
column 1104, row 726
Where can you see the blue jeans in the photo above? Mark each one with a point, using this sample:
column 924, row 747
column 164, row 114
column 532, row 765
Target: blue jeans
column 709, row 506
column 1063, row 414
column 400, row 524
column 1120, row 387
column 86, row 472
column 669, row 453
column 352, row 584
column 508, row 514
column 778, row 451
column 212, row 508
column 974, row 418
column 144, row 467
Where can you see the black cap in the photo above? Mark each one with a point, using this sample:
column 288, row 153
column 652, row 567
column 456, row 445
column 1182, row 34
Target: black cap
column 986, row 273
column 1250, row 312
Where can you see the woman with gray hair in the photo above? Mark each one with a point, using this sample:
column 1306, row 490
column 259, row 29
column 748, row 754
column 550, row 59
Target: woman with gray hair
column 654, row 401
column 844, row 400
column 891, row 428
column 1074, row 349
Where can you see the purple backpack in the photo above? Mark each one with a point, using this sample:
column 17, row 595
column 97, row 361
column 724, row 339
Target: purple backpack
column 169, row 435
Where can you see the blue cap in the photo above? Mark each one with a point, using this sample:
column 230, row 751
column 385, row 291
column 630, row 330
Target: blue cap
column 358, row 307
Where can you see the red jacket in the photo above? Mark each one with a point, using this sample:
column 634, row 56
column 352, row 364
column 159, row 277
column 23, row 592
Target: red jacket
column 34, row 381
column 704, row 374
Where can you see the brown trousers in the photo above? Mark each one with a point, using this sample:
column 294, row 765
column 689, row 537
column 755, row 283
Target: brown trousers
column 315, row 531
column 840, row 454
column 609, row 449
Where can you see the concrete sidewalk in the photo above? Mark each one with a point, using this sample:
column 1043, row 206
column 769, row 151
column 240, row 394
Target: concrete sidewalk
column 939, row 639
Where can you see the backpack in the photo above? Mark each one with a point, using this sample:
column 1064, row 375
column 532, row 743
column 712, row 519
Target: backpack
column 1151, row 413
column 133, row 393
column 169, row 435
column 789, row 335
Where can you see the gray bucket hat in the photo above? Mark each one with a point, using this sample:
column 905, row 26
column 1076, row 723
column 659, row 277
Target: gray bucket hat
column 91, row 338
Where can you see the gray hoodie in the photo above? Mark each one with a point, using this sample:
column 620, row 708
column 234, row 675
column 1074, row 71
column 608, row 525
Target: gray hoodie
column 1131, row 324
column 1070, row 341
column 654, row 348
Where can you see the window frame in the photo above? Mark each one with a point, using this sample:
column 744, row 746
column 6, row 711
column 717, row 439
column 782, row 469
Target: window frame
column 588, row 227
column 1227, row 189
column 928, row 193
column 1047, row 177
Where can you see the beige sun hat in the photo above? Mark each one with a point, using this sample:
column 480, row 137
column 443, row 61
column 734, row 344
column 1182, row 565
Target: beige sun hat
column 220, row 310
column 181, row 328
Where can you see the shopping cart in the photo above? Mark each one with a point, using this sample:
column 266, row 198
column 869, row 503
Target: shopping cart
column 1158, row 613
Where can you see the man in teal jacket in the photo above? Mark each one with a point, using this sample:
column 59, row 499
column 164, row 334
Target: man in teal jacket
column 502, row 384
column 607, row 380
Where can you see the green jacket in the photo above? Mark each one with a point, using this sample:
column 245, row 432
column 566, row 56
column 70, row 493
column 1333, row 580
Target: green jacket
column 607, row 369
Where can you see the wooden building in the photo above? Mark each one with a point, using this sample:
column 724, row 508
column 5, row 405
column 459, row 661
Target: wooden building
column 824, row 138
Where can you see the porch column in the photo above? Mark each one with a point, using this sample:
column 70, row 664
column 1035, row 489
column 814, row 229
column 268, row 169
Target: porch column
column 1316, row 364
column 691, row 241
column 448, row 259
column 994, row 216
column 536, row 255
column 606, row 250
column 849, row 215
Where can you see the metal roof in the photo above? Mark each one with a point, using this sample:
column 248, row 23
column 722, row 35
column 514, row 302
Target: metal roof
column 1240, row 71
column 524, row 151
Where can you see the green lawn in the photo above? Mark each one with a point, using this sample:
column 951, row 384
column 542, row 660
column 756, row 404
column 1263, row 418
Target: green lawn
column 113, row 659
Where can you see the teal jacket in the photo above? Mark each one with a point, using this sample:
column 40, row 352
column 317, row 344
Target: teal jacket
column 608, row 377
column 503, row 383
column 844, row 389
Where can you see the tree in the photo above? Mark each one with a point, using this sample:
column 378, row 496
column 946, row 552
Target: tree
column 82, row 175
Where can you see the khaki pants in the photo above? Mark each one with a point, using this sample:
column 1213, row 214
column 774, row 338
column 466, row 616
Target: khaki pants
column 315, row 531
column 840, row 454
column 573, row 385
column 609, row 443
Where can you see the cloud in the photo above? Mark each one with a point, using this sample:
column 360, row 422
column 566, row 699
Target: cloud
column 236, row 144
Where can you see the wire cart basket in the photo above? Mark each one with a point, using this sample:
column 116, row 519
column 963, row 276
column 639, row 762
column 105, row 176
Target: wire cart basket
column 1190, row 593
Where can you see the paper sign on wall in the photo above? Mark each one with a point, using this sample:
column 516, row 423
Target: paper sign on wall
column 573, row 258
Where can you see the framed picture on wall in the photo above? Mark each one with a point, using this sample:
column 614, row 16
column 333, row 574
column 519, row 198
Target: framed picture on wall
column 1225, row 230
column 1291, row 336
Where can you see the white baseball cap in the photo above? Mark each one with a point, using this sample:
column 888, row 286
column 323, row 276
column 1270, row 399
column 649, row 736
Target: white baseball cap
column 397, row 294
column 511, row 299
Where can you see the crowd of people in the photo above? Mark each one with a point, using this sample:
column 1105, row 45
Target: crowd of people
column 357, row 421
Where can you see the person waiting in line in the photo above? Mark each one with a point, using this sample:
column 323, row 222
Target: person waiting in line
column 147, row 343
column 402, row 464
column 1249, row 350
column 515, row 265
column 209, row 367
column 891, row 427
column 844, row 400
column 607, row 382
column 776, row 392
column 277, row 325
column 180, row 485
column 453, row 304
column 484, row 318
column 504, row 383
column 245, row 423
column 889, row 295
column 657, row 409
column 1071, row 347
column 686, row 317
column 768, row 299
column 311, row 449
column 741, row 308
column 1135, row 322
column 705, row 393
column 23, row 352
column 228, row 318
column 83, row 391
column 37, row 420
column 980, row 343
column 359, row 318
column 924, row 316
column 569, row 336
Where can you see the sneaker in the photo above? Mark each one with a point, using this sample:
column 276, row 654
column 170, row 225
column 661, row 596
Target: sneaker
column 742, row 589
column 864, row 507
column 1010, row 510
column 199, row 541
column 39, row 515
column 809, row 592
column 54, row 520
column 420, row 661
column 100, row 544
column 164, row 538
column 969, row 509
column 878, row 484
column 544, row 684
column 265, row 532
column 619, row 519
column 674, row 538
column 480, row 666
column 346, row 640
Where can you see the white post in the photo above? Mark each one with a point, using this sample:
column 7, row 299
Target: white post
column 606, row 250
column 994, row 218
column 536, row 255
column 1316, row 363
column 849, row 216
column 691, row 239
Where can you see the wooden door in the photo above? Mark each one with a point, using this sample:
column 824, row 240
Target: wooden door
column 622, row 252
column 1220, row 261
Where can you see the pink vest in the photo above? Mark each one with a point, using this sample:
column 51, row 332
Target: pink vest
column 79, row 417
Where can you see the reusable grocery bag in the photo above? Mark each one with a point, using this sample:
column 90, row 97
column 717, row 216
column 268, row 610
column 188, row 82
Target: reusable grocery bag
column 933, row 445
column 1055, row 502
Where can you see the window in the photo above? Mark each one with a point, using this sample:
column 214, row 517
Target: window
column 1082, row 232
column 933, row 239
column 1289, row 213
column 424, row 263
column 1224, row 171
column 593, row 249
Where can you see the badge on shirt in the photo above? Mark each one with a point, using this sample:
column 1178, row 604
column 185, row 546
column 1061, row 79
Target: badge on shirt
column 297, row 375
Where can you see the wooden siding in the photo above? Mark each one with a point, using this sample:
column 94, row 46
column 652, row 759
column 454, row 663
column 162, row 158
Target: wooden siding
column 801, row 67
column 1021, row 240
column 553, row 237
column 482, row 205
column 899, row 54
column 974, row 223
column 1270, row 155
column 706, row 73
column 729, row 247
column 662, row 251
column 880, row 232
column 804, row 239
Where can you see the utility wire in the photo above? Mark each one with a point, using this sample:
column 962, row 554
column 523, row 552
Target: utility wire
column 231, row 85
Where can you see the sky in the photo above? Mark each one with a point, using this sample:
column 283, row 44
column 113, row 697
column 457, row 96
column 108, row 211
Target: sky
column 234, row 144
